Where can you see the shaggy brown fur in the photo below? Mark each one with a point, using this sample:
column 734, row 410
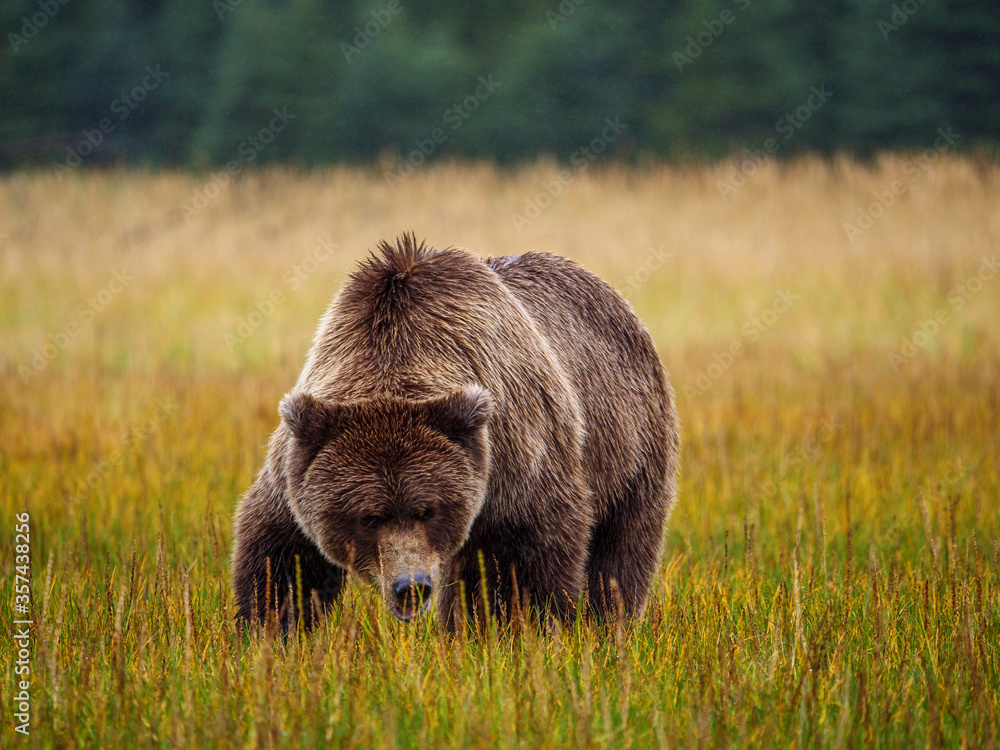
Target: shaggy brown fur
column 449, row 407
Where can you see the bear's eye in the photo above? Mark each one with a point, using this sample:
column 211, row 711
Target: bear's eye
column 426, row 514
column 371, row 522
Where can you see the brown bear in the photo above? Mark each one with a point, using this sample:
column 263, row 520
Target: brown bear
column 459, row 417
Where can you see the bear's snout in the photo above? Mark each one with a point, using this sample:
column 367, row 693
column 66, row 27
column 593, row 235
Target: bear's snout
column 412, row 593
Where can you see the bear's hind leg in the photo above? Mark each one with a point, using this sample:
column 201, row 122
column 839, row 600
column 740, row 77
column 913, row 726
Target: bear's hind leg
column 625, row 549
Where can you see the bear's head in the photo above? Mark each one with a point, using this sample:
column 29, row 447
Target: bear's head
column 389, row 488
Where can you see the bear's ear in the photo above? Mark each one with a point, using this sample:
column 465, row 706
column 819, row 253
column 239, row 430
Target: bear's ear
column 312, row 421
column 462, row 414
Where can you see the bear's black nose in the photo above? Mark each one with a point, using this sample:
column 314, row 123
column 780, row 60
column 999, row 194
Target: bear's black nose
column 419, row 584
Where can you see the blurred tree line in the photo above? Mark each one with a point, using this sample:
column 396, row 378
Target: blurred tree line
column 206, row 82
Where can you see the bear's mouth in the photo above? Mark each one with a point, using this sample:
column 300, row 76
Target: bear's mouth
column 409, row 610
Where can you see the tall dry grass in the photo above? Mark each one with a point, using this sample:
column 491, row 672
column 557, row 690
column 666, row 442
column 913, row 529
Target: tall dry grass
column 831, row 570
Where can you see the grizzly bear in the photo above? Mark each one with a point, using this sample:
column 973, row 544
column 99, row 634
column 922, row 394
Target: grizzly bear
column 500, row 427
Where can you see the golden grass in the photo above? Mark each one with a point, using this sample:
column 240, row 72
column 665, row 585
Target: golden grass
column 831, row 571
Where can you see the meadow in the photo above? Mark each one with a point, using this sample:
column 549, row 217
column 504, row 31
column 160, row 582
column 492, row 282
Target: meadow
column 830, row 575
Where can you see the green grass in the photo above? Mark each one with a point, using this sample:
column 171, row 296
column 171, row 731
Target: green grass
column 830, row 574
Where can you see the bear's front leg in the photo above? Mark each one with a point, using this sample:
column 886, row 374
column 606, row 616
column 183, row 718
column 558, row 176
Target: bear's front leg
column 524, row 568
column 271, row 556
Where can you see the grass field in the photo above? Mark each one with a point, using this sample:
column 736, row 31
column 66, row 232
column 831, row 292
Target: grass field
column 831, row 573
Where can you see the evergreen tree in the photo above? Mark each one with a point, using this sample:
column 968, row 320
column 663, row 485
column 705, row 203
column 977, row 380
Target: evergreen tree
column 38, row 114
column 362, row 79
column 399, row 86
column 271, row 65
column 892, row 72
column 968, row 33
column 186, row 36
column 561, row 80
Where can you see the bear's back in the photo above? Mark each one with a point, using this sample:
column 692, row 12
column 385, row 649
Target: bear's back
column 611, row 362
column 416, row 322
column 571, row 368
